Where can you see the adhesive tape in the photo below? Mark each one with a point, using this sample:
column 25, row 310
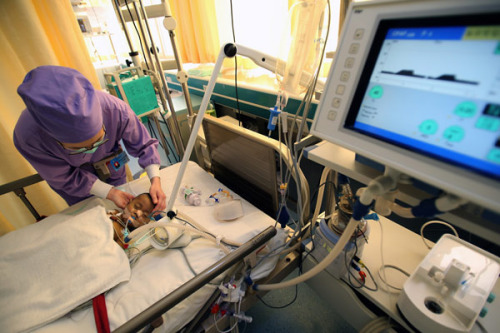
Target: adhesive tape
column 229, row 210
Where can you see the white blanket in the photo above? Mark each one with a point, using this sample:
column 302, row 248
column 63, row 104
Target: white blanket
column 160, row 272
column 49, row 268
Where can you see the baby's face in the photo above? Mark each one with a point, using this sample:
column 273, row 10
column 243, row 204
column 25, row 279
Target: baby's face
column 138, row 209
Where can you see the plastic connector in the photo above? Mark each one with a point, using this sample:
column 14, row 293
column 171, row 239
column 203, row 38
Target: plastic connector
column 426, row 208
column 360, row 210
column 171, row 214
column 273, row 118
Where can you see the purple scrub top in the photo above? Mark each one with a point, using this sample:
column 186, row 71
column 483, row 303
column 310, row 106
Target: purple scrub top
column 36, row 136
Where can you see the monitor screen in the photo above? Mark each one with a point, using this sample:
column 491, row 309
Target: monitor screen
column 415, row 86
column 432, row 85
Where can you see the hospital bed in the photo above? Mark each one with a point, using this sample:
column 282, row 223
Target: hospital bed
column 169, row 280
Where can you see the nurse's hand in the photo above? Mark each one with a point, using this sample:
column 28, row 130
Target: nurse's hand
column 120, row 198
column 159, row 198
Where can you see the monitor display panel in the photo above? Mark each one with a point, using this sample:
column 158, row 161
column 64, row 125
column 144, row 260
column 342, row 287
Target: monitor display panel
column 432, row 85
column 415, row 86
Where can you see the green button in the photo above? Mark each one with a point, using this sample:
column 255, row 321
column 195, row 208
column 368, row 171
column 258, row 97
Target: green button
column 454, row 134
column 494, row 155
column 428, row 127
column 466, row 109
column 376, row 92
column 488, row 123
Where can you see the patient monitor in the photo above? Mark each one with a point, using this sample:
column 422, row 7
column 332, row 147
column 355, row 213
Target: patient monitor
column 415, row 86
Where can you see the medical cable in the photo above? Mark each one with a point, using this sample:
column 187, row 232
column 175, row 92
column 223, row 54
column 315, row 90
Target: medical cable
column 238, row 310
column 391, row 294
column 308, row 97
column 151, row 130
column 351, row 263
column 235, row 66
column 134, row 259
column 435, row 222
column 286, row 250
column 367, row 195
column 315, row 80
column 280, row 306
column 381, row 276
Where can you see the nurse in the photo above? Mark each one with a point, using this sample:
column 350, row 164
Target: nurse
column 70, row 133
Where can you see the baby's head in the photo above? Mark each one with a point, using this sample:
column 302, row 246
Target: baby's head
column 138, row 210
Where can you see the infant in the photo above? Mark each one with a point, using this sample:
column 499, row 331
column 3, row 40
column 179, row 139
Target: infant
column 136, row 214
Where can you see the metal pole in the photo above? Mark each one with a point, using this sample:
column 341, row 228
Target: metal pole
column 177, row 138
column 143, row 34
column 120, row 15
column 183, row 81
column 181, row 293
column 170, row 24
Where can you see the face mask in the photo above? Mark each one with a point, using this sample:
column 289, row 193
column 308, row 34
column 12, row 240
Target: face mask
column 91, row 151
column 87, row 150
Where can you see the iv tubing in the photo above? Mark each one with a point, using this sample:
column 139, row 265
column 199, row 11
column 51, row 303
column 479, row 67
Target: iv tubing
column 160, row 223
column 319, row 198
column 376, row 187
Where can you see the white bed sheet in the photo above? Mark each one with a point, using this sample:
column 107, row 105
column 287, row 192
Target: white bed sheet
column 160, row 272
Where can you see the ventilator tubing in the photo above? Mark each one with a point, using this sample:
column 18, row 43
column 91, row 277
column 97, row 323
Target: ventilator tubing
column 366, row 195
column 169, row 224
column 337, row 249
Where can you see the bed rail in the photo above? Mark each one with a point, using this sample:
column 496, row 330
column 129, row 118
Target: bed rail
column 179, row 294
column 18, row 186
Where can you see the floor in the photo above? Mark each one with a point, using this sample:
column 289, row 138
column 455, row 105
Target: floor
column 308, row 313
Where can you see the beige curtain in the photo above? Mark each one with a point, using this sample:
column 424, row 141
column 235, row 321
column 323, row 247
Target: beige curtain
column 32, row 33
column 197, row 32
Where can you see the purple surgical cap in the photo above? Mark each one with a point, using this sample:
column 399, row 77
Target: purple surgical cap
column 63, row 102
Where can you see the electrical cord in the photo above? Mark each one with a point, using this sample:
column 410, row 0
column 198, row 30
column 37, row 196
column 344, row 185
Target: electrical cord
column 280, row 306
column 381, row 272
column 435, row 222
column 235, row 66
column 153, row 132
column 381, row 276
column 350, row 262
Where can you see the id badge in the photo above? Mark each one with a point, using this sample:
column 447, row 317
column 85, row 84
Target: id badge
column 119, row 161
